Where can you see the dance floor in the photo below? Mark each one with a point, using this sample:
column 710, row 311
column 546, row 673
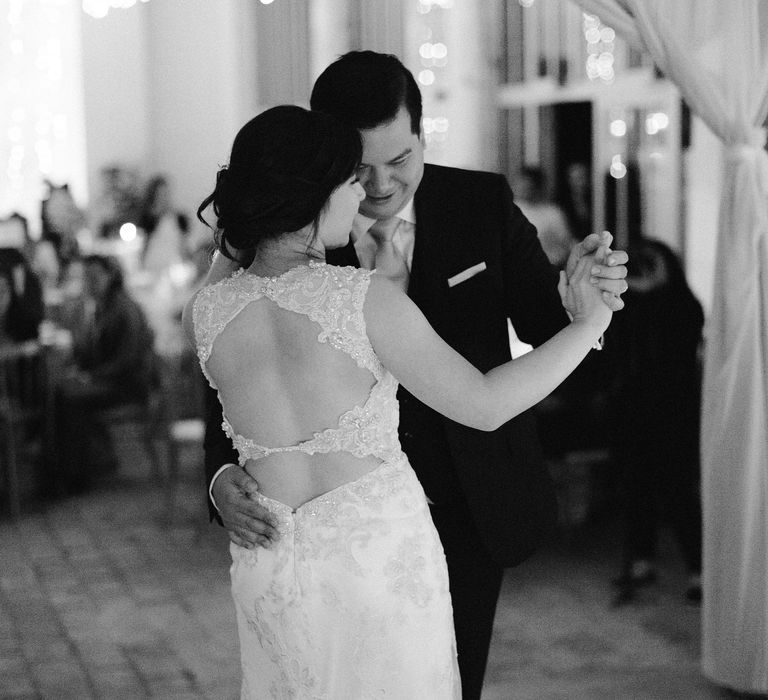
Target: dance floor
column 101, row 597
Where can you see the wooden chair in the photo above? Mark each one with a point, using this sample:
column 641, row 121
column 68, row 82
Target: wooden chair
column 185, row 434
column 149, row 418
column 26, row 413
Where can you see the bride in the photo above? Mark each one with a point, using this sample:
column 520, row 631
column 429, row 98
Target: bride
column 351, row 600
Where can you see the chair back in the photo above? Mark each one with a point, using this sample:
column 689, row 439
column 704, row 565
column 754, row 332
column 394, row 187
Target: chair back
column 24, row 390
column 26, row 412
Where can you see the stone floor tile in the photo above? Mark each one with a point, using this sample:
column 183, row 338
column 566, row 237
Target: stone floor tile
column 118, row 684
column 62, row 680
column 109, row 601
column 12, row 662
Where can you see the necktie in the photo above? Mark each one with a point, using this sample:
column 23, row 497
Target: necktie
column 388, row 260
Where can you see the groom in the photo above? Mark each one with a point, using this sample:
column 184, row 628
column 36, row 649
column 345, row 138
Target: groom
column 469, row 259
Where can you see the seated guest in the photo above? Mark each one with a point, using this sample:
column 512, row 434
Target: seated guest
column 548, row 218
column 114, row 364
column 61, row 220
column 72, row 298
column 655, row 407
column 21, row 298
column 164, row 227
column 116, row 204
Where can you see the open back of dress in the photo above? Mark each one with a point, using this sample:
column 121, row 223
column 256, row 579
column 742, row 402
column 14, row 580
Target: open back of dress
column 332, row 298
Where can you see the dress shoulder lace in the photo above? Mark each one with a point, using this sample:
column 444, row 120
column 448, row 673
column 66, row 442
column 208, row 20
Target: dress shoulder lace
column 331, row 296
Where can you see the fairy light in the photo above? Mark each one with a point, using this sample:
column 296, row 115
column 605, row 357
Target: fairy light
column 618, row 128
column 656, row 122
column 128, row 232
column 38, row 130
column 618, row 170
column 426, row 77
column 99, row 9
column 426, row 6
column 600, row 44
column 433, row 55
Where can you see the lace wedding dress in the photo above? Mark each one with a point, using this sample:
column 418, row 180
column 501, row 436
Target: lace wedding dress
column 352, row 601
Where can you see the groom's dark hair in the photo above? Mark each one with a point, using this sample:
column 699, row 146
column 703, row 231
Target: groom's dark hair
column 367, row 89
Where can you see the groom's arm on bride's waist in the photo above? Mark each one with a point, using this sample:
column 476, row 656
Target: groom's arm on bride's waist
column 216, row 445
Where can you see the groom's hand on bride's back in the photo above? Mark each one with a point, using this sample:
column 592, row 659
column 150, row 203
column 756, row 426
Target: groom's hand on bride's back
column 248, row 524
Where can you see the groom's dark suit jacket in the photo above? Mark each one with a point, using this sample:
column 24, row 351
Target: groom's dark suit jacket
column 464, row 218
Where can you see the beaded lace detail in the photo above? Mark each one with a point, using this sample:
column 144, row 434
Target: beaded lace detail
column 333, row 298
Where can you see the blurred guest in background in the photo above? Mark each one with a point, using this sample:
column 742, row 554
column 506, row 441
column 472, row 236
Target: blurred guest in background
column 164, row 227
column 654, row 347
column 548, row 218
column 577, row 202
column 21, row 298
column 14, row 233
column 72, row 301
column 117, row 203
column 62, row 221
column 114, row 364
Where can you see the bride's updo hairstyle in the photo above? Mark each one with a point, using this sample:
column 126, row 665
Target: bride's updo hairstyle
column 284, row 165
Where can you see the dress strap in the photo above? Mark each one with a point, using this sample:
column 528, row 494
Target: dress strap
column 333, row 297
column 216, row 305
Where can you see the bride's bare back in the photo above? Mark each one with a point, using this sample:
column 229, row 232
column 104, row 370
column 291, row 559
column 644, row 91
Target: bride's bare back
column 284, row 378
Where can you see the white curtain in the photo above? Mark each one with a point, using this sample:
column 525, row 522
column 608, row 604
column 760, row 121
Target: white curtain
column 717, row 54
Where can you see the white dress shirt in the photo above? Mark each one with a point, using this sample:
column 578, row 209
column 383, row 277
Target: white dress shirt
column 404, row 238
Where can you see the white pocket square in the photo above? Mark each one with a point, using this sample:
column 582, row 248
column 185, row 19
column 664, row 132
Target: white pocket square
column 464, row 276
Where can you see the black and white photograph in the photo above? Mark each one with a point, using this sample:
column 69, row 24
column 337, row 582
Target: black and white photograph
column 404, row 349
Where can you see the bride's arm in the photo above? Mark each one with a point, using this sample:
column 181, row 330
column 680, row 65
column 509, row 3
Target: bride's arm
column 440, row 377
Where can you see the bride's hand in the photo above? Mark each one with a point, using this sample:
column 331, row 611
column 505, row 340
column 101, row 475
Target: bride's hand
column 581, row 298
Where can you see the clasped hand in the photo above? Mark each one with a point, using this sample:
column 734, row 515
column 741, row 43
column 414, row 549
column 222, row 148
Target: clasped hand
column 606, row 268
column 582, row 298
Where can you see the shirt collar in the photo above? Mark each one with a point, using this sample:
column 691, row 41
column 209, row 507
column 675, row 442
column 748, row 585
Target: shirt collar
column 362, row 223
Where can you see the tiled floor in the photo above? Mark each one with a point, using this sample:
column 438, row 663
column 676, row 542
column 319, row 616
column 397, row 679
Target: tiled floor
column 100, row 597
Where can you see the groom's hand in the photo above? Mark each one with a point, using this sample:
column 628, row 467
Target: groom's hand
column 609, row 271
column 247, row 523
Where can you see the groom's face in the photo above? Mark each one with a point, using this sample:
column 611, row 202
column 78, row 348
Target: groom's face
column 392, row 166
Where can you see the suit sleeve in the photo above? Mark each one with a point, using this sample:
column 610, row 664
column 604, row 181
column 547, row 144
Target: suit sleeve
column 530, row 281
column 216, row 445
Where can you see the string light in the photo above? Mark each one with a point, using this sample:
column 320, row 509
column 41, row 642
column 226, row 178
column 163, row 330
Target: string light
column 128, row 232
column 39, row 134
column 100, row 8
column 618, row 170
column 599, row 38
column 618, row 128
column 426, row 77
column 425, row 6
column 656, row 122
column 433, row 56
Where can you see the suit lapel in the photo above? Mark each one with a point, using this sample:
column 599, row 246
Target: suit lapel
column 432, row 241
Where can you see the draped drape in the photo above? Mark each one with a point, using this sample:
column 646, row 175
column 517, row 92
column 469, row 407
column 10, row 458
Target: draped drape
column 717, row 54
